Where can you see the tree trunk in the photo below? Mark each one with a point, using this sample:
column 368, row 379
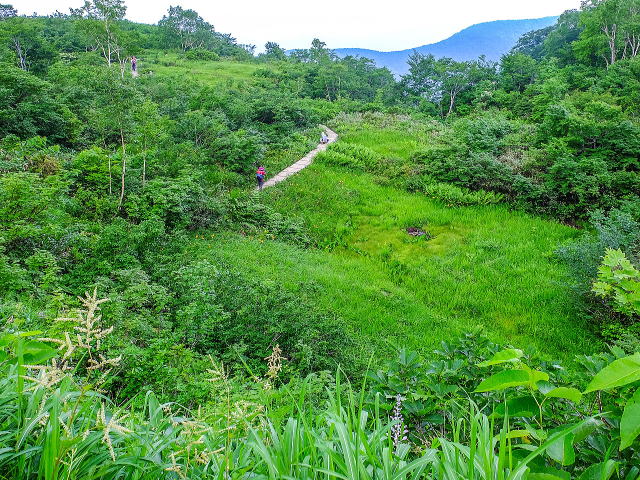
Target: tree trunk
column 21, row 54
column 124, row 168
column 104, row 144
column 611, row 33
column 452, row 101
column 633, row 43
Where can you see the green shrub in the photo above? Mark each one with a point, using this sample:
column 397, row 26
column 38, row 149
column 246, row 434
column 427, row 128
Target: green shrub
column 222, row 312
column 201, row 54
column 478, row 170
column 620, row 280
column 616, row 230
column 485, row 133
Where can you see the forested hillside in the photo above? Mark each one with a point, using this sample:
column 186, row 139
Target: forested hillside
column 451, row 290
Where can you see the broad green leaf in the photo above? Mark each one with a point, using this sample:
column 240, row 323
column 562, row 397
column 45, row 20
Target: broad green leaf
column 630, row 421
column 621, row 372
column 545, row 387
column 572, row 394
column 507, row 355
column 633, row 474
column 536, row 376
column 37, row 352
column 585, row 429
column 549, row 473
column 504, row 379
column 514, row 434
column 522, row 467
column 562, row 450
column 599, row 471
column 518, row 407
column 6, row 339
column 601, row 288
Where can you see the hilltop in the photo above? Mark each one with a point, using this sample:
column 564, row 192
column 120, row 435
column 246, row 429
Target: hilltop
column 491, row 39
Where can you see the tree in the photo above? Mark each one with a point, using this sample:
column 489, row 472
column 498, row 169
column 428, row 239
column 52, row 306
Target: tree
column 114, row 102
column 29, row 107
column 185, row 29
column 123, row 122
column 319, row 51
column 442, row 81
column 611, row 30
column 559, row 42
column 532, row 43
column 151, row 131
column 517, row 70
column 24, row 37
column 99, row 20
column 7, row 11
column 273, row 51
column 632, row 30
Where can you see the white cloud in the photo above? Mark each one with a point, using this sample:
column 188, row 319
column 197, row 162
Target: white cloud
column 372, row 24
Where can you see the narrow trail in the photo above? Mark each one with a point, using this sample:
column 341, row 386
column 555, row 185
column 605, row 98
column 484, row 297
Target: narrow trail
column 304, row 162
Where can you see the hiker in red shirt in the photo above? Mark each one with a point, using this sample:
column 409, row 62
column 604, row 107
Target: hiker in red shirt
column 261, row 174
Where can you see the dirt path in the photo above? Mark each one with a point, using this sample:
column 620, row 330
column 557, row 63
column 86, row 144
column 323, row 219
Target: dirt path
column 304, row 162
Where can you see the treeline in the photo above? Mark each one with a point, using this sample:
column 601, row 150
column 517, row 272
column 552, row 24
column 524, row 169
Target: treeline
column 36, row 43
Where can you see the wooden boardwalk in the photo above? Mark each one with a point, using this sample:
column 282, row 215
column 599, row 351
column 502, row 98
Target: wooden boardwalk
column 304, row 162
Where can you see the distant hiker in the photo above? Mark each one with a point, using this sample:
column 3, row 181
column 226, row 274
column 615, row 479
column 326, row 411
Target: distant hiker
column 260, row 176
column 134, row 64
column 324, row 139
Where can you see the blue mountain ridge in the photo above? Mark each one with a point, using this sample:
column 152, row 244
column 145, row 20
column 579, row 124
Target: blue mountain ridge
column 491, row 39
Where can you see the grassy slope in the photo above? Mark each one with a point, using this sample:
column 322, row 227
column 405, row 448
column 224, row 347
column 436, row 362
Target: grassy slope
column 206, row 72
column 484, row 266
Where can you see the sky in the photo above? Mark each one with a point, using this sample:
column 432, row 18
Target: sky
column 374, row 24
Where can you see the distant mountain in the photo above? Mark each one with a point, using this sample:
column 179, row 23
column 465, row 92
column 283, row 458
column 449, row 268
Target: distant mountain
column 492, row 39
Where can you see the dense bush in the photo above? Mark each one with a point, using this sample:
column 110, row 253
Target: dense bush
column 201, row 54
column 223, row 313
column 617, row 230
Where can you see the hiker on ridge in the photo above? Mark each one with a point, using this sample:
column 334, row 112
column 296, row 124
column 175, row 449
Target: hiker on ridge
column 134, row 64
column 324, row 139
column 261, row 174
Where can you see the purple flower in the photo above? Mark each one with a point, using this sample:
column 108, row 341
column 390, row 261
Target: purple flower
column 399, row 430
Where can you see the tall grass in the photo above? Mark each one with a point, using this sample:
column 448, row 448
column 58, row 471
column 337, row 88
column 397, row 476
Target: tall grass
column 70, row 432
column 482, row 265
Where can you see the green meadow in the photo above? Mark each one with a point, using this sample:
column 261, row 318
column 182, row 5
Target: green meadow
column 205, row 72
column 477, row 267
